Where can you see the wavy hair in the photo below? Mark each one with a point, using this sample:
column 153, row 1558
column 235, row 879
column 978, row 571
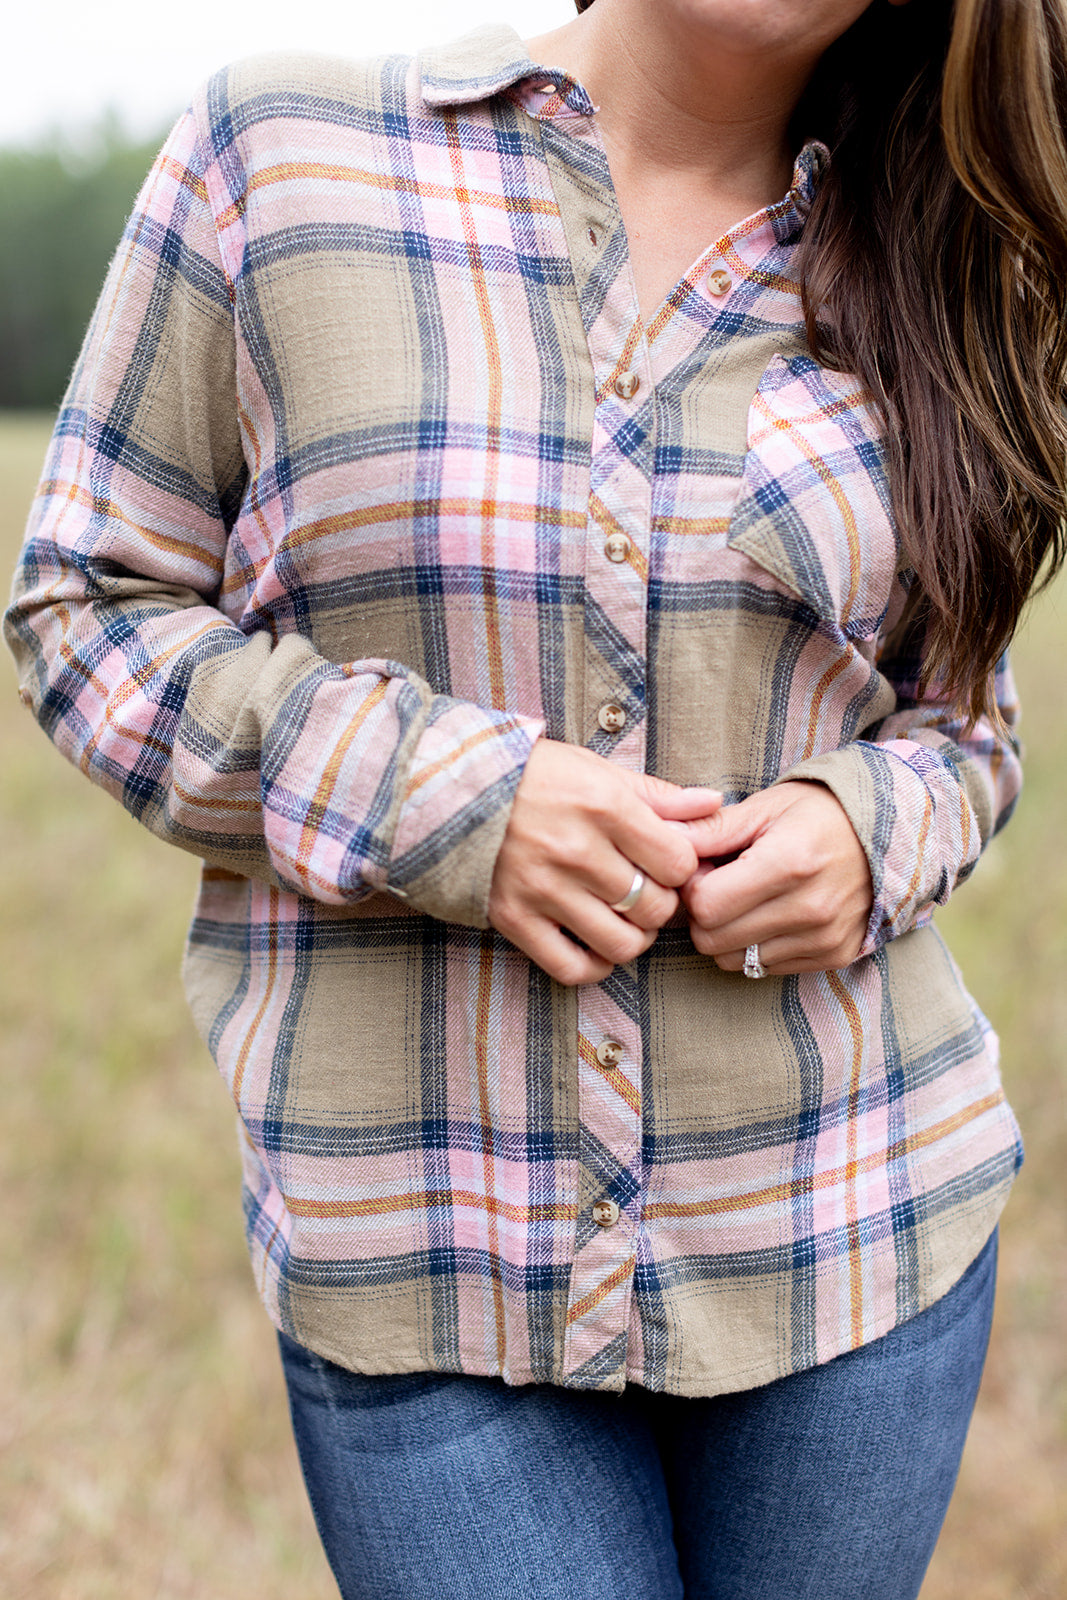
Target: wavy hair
column 934, row 267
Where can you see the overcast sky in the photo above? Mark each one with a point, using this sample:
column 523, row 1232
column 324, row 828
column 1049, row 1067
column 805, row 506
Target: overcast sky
column 71, row 60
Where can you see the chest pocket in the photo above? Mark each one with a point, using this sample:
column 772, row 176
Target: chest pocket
column 813, row 509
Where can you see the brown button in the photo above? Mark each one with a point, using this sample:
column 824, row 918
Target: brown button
column 612, row 718
column 627, row 385
column 26, row 697
column 609, row 1052
column 617, row 547
column 605, row 1213
column 719, row 282
column 594, row 237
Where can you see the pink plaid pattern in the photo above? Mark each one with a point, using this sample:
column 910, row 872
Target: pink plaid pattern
column 322, row 547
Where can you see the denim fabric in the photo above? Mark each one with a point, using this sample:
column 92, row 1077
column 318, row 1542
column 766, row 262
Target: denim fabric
column 830, row 1484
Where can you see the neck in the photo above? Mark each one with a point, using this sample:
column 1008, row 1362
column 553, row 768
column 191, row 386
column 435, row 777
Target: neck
column 679, row 103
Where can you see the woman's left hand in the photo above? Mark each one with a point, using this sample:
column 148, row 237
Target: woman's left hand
column 800, row 886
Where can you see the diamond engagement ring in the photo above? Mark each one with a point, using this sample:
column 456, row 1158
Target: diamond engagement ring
column 754, row 967
column 629, row 900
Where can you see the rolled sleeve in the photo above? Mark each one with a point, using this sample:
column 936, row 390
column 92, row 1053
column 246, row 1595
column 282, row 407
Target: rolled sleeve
column 335, row 780
column 925, row 792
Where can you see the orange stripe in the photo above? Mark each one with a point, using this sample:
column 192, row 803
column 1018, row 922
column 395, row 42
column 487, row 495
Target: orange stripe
column 323, row 793
column 255, row 504
column 608, row 523
column 428, row 1199
column 774, row 1193
column 99, row 506
column 855, row 1257
column 470, row 743
column 481, row 1050
column 268, row 994
column 740, row 269
column 330, row 172
column 821, row 689
column 401, row 511
column 687, row 526
column 837, row 492
column 920, row 851
column 625, row 361
column 679, row 294
column 493, row 642
column 214, row 802
column 793, row 426
column 188, row 180
column 590, row 1301
column 612, row 1075
column 119, row 695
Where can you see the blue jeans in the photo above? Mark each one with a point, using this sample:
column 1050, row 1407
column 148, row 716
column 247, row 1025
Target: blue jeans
column 830, row 1484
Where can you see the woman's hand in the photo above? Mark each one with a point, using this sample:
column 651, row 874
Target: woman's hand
column 800, row 887
column 579, row 828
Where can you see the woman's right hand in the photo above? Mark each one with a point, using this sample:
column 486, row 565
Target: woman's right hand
column 580, row 827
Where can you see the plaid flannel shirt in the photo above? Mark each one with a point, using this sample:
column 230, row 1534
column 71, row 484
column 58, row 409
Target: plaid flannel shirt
column 370, row 474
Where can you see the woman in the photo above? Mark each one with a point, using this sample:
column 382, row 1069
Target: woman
column 478, row 470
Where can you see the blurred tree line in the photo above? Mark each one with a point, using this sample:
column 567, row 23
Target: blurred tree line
column 62, row 211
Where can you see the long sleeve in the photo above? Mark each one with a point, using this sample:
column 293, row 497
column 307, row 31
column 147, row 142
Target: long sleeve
column 924, row 791
column 333, row 779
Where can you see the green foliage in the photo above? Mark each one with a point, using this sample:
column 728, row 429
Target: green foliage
column 61, row 217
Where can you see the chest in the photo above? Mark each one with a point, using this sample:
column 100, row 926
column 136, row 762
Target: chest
column 474, row 455
column 672, row 232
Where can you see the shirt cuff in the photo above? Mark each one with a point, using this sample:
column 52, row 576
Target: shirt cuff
column 454, row 807
column 909, row 805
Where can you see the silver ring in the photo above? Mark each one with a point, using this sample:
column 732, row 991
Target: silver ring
column 754, row 967
column 629, row 900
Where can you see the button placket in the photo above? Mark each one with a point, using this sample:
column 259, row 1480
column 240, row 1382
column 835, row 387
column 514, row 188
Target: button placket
column 618, row 536
column 609, row 1086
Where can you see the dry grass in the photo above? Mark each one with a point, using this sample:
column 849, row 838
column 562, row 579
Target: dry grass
column 144, row 1448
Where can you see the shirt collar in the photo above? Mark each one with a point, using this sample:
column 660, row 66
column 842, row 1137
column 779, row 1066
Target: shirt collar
column 481, row 64
column 493, row 58
column 484, row 63
column 790, row 214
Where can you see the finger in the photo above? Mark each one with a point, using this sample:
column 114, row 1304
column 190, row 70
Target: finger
column 651, row 828
column 550, row 949
column 607, row 932
column 614, row 938
column 737, row 889
column 784, row 952
column 609, row 877
column 554, row 952
column 733, row 828
column 654, row 906
column 776, row 965
column 670, row 801
column 660, row 849
column 563, row 959
column 532, row 921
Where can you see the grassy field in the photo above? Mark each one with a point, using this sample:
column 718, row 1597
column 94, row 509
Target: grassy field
column 144, row 1449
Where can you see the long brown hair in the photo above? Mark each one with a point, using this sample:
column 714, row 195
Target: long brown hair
column 934, row 267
